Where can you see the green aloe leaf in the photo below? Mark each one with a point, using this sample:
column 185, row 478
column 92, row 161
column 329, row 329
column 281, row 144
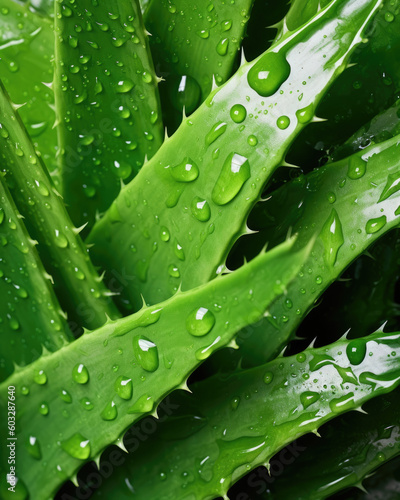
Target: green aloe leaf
column 108, row 114
column 213, row 169
column 239, row 422
column 108, row 379
column 80, row 290
column 192, row 43
column 30, row 316
column 357, row 444
column 26, row 53
column 350, row 204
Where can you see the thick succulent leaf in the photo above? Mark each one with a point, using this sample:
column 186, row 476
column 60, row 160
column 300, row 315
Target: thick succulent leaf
column 357, row 444
column 384, row 484
column 367, row 88
column 349, row 204
column 192, row 43
column 90, row 391
column 27, row 49
column 107, row 104
column 80, row 290
column 211, row 172
column 379, row 129
column 30, row 316
column 244, row 419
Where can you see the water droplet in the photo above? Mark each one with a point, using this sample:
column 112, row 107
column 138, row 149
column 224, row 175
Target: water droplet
column 301, row 357
column 216, row 131
column 356, row 351
column 146, row 353
column 252, row 140
column 283, row 122
column 308, row 398
column 44, row 409
column 186, row 171
column 268, row 73
column 238, row 113
column 392, row 186
column 122, row 169
column 124, row 387
column 80, row 374
column 34, row 448
column 124, row 86
column 389, row 17
column 173, row 271
column 306, row 114
column 226, row 25
column 203, row 33
column 42, row 188
column 65, row 396
column 344, row 403
column 164, row 234
column 25, row 390
column 143, row 405
column 77, row 446
column 200, row 322
column 185, row 93
column 235, row 403
column 332, row 237
column 40, row 377
column 357, row 168
column 234, row 173
column 268, row 377
column 60, row 239
column 110, row 412
column 87, row 404
column 222, row 46
column 375, row 225
column 178, row 250
column 201, row 209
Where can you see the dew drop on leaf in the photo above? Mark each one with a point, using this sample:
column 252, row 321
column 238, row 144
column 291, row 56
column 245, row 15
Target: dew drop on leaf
column 200, row 322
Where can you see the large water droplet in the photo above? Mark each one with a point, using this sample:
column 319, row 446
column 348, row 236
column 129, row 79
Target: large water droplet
column 283, row 122
column 200, row 322
column 201, row 209
column 332, row 237
column 124, row 86
column 392, row 186
column 146, row 353
column 186, row 171
column 143, row 405
column 342, row 404
column 238, row 113
column 185, row 93
column 222, row 46
column 40, row 377
column 268, row 73
column 234, row 173
column 124, row 387
column 375, row 225
column 216, row 131
column 60, row 239
column 80, row 373
column 306, row 114
column 77, row 446
column 356, row 351
column 110, row 412
column 357, row 167
column 308, row 398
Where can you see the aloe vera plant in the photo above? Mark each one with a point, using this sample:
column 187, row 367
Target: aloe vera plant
column 269, row 110
column 222, row 259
